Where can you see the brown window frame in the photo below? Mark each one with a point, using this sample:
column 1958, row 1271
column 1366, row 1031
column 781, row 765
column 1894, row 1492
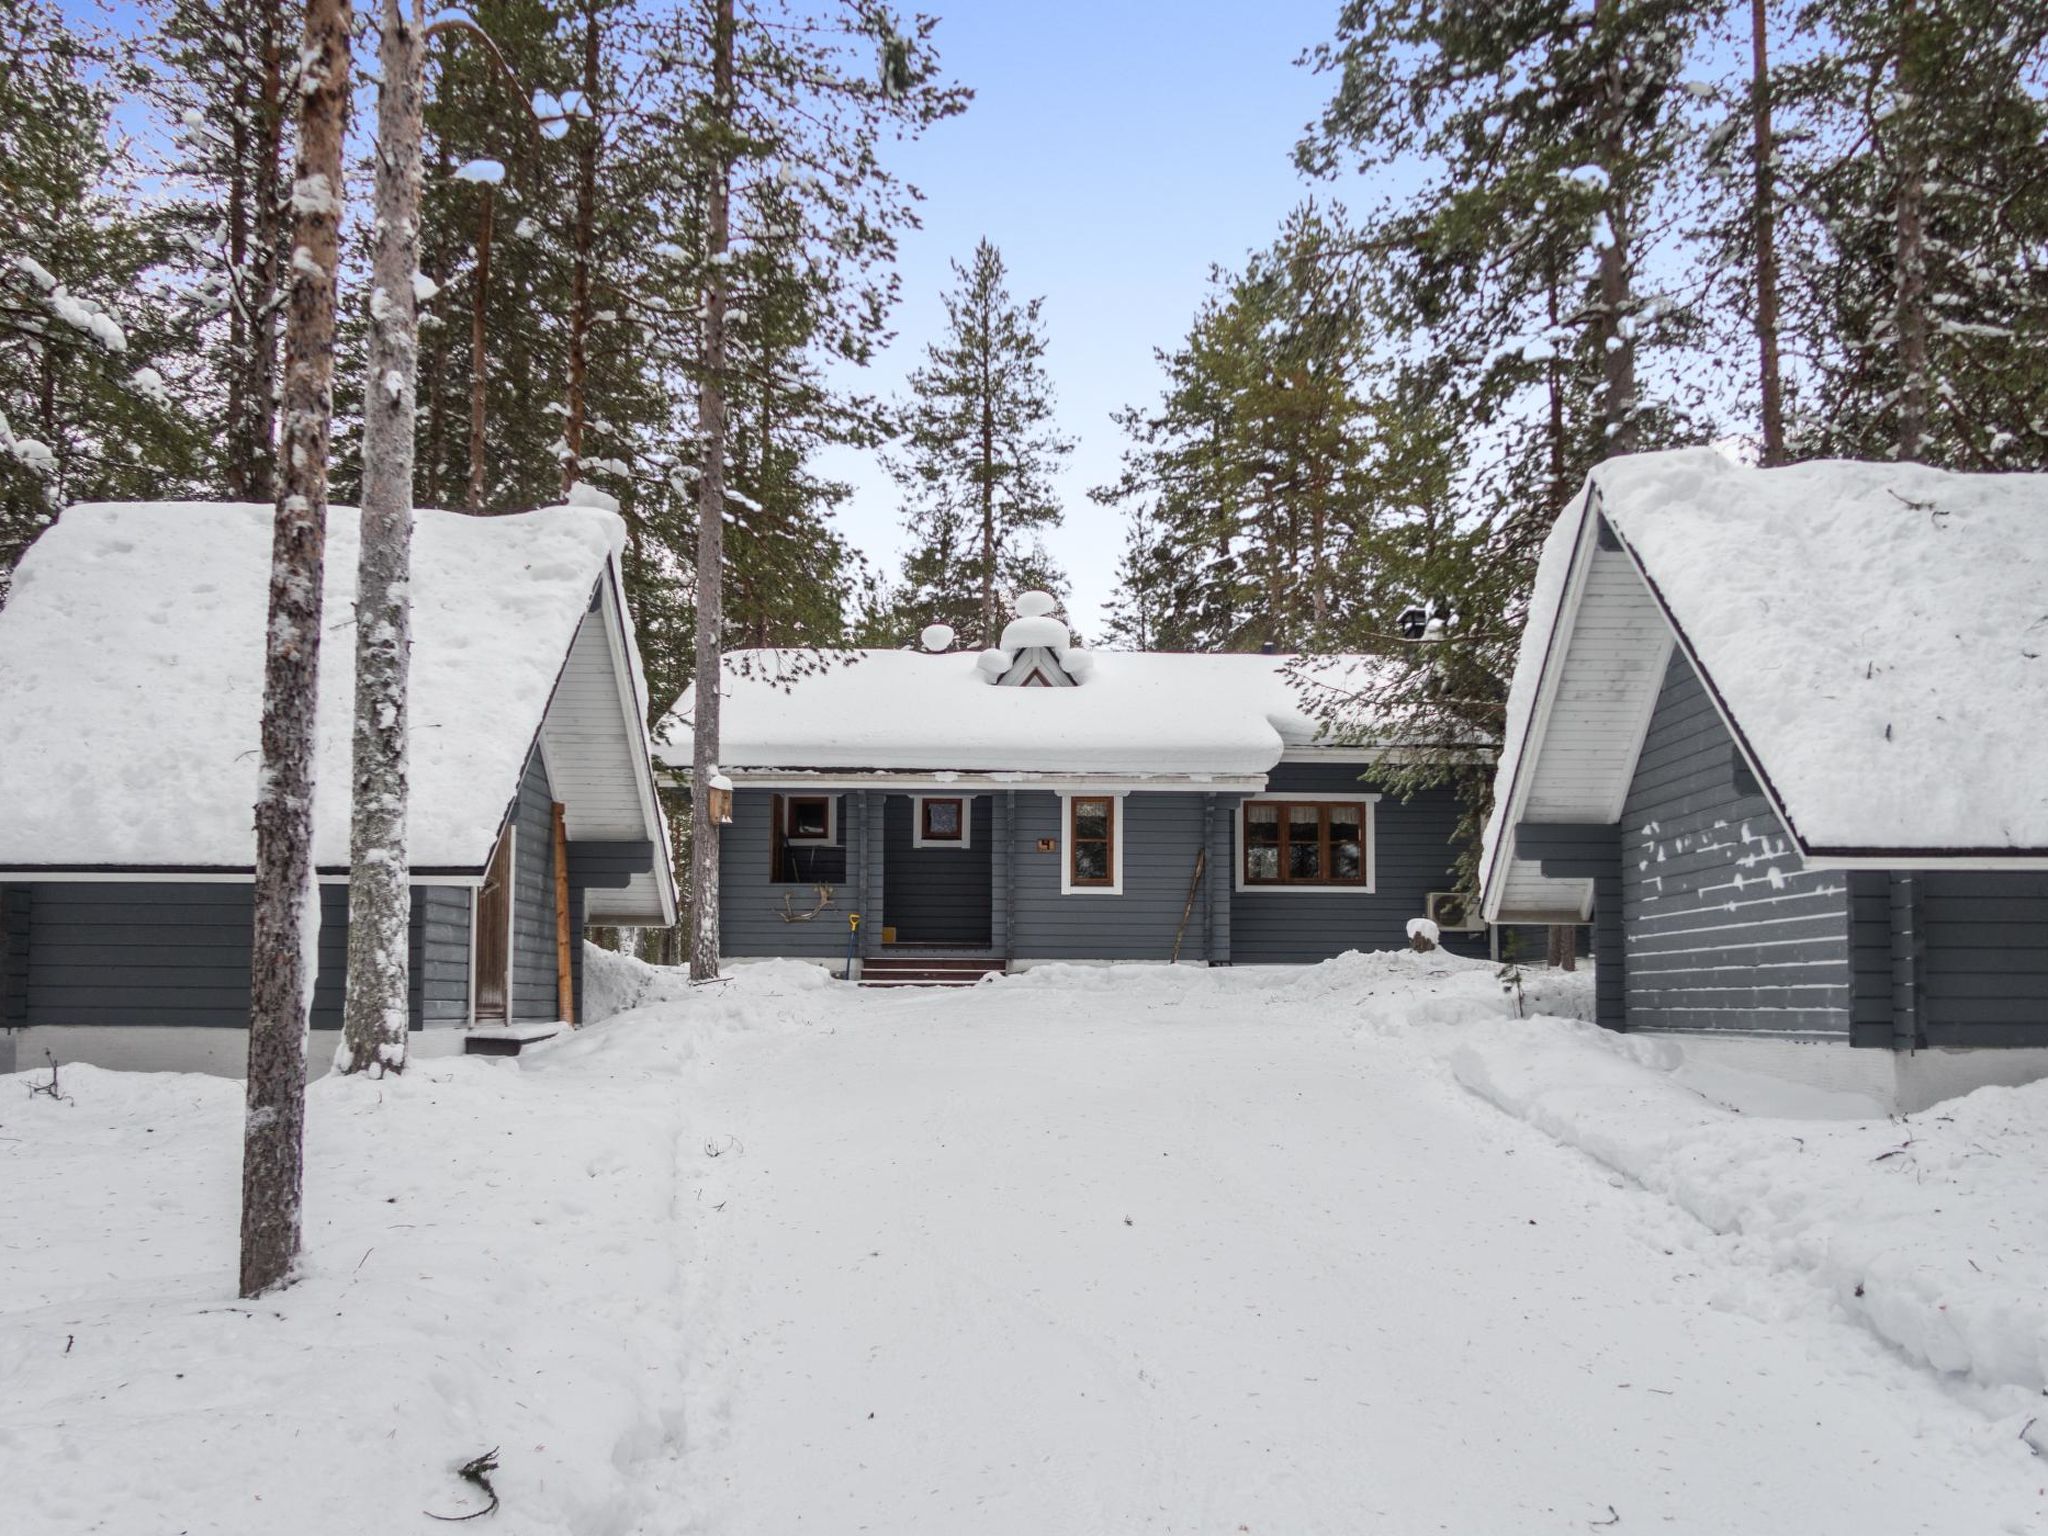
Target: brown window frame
column 1108, row 841
column 825, row 839
column 1286, row 806
column 926, row 836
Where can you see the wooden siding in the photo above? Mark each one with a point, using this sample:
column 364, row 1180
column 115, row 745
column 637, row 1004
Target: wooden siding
column 533, row 899
column 1725, row 928
column 150, row 953
column 593, row 756
column 1161, row 834
column 440, row 955
column 14, row 924
column 1412, row 856
column 937, row 895
column 1983, row 957
column 751, row 907
column 1613, row 667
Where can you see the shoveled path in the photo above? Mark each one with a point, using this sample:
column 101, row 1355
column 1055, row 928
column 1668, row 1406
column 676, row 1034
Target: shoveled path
column 1194, row 1252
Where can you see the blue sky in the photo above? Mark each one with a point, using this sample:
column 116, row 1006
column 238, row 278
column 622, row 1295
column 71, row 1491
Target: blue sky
column 1114, row 151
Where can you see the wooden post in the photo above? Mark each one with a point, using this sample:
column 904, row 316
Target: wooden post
column 565, row 974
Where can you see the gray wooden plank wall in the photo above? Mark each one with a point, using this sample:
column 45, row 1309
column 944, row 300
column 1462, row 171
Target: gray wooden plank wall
column 533, row 898
column 1413, row 856
column 124, row 953
column 752, row 906
column 14, row 916
column 1725, row 927
column 440, row 955
column 1161, row 835
column 937, row 895
column 1983, row 957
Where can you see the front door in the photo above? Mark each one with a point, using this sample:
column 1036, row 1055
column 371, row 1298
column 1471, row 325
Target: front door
column 494, row 937
column 936, row 864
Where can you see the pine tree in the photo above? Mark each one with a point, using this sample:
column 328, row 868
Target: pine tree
column 286, row 892
column 93, row 349
column 1919, row 298
column 979, row 454
column 1256, row 476
column 376, row 1015
column 784, row 112
column 226, row 85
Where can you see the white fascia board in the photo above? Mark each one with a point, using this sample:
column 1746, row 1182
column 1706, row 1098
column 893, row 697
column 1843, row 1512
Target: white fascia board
column 1556, row 647
column 1988, row 862
column 613, row 606
column 943, row 781
column 1390, row 753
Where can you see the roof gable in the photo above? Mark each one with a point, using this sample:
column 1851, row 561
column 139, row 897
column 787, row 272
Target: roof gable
column 131, row 680
column 1875, row 636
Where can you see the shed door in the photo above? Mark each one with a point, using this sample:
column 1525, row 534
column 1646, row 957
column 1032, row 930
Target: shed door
column 494, row 937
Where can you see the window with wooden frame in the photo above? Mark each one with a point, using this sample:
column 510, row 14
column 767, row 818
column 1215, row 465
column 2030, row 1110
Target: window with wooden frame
column 1306, row 844
column 942, row 821
column 809, row 819
column 1092, row 843
column 803, row 840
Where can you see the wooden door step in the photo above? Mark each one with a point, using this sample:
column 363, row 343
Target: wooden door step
column 926, row 971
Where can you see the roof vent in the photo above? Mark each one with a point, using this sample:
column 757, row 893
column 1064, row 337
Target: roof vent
column 936, row 637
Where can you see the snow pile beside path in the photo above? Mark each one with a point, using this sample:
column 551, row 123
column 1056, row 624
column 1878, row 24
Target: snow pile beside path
column 1383, row 990
column 614, row 983
column 1931, row 1231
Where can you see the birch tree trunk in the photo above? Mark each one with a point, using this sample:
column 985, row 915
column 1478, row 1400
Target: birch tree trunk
column 1766, row 234
column 280, row 987
column 711, row 429
column 375, row 1014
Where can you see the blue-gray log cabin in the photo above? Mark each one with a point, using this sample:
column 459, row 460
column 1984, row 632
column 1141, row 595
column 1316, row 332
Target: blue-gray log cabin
column 1044, row 802
column 1778, row 735
column 131, row 662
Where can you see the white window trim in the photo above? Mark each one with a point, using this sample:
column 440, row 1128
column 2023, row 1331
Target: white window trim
column 1116, row 842
column 964, row 840
column 831, row 837
column 1370, row 803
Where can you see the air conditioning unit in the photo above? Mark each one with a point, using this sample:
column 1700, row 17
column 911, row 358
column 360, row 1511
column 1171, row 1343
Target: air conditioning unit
column 1454, row 912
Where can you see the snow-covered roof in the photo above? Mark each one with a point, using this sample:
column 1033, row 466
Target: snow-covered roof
column 1876, row 634
column 131, row 679
column 1142, row 714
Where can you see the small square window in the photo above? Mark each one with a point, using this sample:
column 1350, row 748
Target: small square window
column 809, row 819
column 941, row 822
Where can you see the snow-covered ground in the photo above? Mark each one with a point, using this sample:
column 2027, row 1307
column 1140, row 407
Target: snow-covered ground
column 1084, row 1250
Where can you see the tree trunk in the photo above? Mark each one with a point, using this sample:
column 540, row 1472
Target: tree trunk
column 1910, row 214
column 585, row 239
column 285, row 894
column 252, row 380
column 376, row 1013
column 711, row 427
column 480, row 285
column 1766, row 222
column 1617, row 343
column 988, row 505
